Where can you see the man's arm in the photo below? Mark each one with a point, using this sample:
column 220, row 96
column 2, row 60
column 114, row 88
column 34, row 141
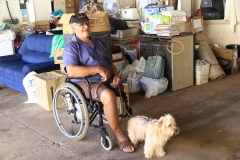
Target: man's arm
column 84, row 71
column 116, row 79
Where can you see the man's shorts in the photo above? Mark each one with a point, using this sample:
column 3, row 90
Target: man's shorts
column 98, row 88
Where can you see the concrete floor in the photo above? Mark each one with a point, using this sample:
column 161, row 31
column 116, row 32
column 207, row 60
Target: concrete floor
column 208, row 116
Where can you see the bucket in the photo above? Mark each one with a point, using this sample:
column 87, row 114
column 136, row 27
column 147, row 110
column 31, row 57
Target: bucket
column 235, row 46
column 202, row 74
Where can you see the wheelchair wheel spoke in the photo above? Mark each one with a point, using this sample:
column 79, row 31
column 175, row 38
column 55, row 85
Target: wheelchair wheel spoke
column 70, row 111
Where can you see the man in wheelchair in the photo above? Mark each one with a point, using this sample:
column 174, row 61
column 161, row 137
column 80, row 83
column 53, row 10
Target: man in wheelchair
column 87, row 57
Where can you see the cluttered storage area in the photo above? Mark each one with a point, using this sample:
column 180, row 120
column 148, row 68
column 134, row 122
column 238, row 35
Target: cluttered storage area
column 156, row 45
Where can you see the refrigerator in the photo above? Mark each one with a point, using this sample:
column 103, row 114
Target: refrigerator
column 179, row 68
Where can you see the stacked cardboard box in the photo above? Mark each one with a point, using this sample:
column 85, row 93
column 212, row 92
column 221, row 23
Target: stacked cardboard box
column 98, row 22
column 228, row 59
column 46, row 85
column 58, row 59
column 43, row 25
column 67, row 6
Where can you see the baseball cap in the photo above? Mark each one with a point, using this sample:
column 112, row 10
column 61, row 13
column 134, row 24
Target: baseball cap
column 79, row 18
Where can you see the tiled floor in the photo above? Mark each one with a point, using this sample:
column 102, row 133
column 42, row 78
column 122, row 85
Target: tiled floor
column 208, row 116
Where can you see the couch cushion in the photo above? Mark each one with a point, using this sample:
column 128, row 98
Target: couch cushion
column 19, row 75
column 39, row 43
column 8, row 65
column 36, row 57
column 10, row 70
column 36, row 48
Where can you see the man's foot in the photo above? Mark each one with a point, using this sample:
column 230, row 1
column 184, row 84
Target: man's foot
column 126, row 146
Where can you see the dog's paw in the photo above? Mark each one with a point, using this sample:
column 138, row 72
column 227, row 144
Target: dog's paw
column 148, row 156
column 161, row 154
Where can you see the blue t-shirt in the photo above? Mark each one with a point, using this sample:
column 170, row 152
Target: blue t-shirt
column 78, row 52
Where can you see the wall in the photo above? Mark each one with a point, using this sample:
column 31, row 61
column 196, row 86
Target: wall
column 14, row 8
column 42, row 9
column 218, row 31
column 37, row 10
column 30, row 11
column 186, row 6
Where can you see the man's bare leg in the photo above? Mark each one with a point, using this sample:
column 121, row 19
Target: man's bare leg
column 108, row 98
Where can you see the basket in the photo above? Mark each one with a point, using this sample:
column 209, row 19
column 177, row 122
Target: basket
column 202, row 74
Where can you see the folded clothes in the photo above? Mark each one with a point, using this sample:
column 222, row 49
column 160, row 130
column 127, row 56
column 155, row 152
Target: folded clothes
column 6, row 35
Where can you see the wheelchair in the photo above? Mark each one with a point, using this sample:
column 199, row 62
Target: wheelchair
column 74, row 113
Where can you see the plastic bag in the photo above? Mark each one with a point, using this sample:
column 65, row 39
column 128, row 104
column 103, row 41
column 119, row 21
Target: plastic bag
column 154, row 67
column 28, row 83
column 139, row 65
column 153, row 87
column 133, row 78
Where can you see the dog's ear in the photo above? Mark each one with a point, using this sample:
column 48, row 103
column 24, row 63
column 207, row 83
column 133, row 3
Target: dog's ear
column 160, row 121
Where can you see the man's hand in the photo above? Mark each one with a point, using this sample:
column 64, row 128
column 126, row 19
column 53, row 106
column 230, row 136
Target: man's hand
column 116, row 81
column 104, row 73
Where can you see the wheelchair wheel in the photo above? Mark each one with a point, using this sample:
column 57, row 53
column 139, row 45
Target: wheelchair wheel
column 70, row 111
column 120, row 112
column 106, row 143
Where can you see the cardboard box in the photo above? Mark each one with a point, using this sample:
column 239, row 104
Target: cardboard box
column 46, row 85
column 70, row 9
column 197, row 24
column 186, row 26
column 76, row 5
column 59, row 2
column 124, row 3
column 228, row 59
column 62, row 69
column 65, row 20
column 99, row 21
column 69, row 3
column 42, row 25
column 58, row 56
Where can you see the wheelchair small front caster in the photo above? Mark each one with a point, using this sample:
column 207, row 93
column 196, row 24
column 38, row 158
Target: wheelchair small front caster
column 106, row 143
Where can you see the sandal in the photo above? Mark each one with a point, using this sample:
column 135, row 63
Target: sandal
column 125, row 144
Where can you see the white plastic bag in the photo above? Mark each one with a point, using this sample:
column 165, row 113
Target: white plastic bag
column 28, row 83
column 153, row 87
column 139, row 65
column 133, row 78
column 134, row 83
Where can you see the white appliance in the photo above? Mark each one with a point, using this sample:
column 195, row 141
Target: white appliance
column 111, row 6
column 7, row 48
column 130, row 14
column 179, row 68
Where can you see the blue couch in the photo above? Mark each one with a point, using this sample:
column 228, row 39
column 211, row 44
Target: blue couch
column 32, row 56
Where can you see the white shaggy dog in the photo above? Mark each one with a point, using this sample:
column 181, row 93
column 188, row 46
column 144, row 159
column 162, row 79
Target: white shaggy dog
column 155, row 132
